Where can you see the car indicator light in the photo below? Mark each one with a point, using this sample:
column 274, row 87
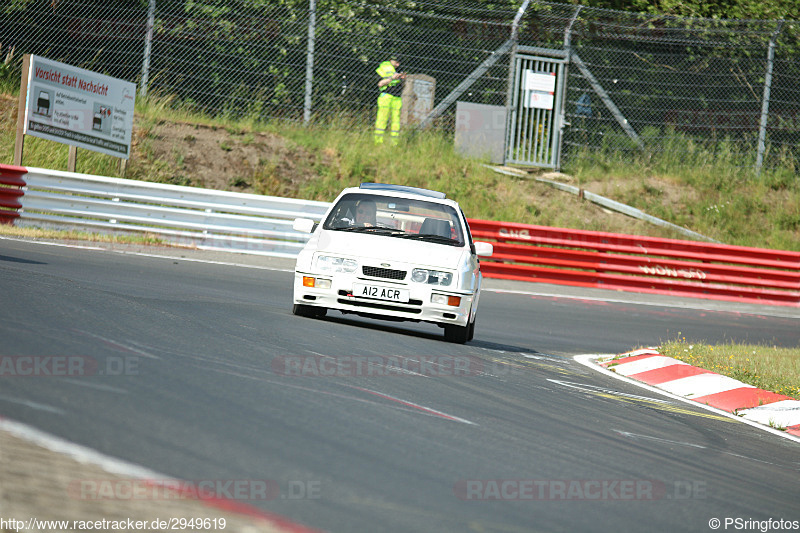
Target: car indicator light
column 443, row 299
column 309, row 281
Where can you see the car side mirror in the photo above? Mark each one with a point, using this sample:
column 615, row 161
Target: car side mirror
column 484, row 249
column 303, row 225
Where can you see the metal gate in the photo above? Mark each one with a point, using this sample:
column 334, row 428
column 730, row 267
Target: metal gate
column 534, row 124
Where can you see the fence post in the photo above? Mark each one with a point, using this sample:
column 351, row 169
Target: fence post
column 312, row 22
column 148, row 47
column 512, row 58
column 762, row 129
column 563, row 112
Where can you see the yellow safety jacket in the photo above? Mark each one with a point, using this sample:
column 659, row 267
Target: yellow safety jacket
column 387, row 70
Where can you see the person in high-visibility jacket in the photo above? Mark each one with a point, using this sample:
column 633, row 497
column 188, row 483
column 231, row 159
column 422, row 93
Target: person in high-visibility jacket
column 390, row 85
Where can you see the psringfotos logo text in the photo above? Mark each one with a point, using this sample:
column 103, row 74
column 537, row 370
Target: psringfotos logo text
column 578, row 490
column 67, row 366
column 377, row 365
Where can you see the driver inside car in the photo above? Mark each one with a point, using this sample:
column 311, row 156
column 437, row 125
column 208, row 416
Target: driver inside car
column 366, row 213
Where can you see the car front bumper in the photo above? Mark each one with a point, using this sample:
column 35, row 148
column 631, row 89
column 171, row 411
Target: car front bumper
column 339, row 296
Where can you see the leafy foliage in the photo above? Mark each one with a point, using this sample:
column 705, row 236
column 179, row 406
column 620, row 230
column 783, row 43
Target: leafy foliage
column 717, row 9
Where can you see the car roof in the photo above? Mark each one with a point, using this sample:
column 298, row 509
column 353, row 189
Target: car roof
column 401, row 191
column 403, row 188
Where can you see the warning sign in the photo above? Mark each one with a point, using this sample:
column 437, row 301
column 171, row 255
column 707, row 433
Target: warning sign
column 539, row 89
column 78, row 107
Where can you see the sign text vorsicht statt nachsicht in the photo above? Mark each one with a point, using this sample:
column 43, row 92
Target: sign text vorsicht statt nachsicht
column 79, row 107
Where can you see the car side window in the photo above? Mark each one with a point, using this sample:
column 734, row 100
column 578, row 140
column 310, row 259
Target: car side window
column 342, row 216
column 467, row 231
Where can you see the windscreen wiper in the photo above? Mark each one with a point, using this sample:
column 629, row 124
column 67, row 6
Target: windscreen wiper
column 430, row 237
column 371, row 229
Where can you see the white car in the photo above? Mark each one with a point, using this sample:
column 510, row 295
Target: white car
column 392, row 252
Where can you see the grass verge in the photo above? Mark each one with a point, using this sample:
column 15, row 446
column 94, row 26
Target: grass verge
column 766, row 367
column 74, row 235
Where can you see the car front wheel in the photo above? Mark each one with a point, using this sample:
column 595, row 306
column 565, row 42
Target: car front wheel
column 457, row 334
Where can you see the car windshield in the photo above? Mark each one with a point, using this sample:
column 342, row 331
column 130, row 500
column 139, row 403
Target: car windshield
column 396, row 217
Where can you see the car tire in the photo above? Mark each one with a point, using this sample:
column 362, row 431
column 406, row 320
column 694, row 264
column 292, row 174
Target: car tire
column 308, row 311
column 456, row 334
column 471, row 330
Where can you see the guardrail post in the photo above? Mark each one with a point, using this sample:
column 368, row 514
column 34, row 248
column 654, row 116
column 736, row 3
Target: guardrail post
column 11, row 192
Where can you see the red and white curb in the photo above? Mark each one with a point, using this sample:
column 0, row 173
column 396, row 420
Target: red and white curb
column 708, row 388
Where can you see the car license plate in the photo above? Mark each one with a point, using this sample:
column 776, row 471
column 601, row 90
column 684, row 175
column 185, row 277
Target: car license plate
column 378, row 292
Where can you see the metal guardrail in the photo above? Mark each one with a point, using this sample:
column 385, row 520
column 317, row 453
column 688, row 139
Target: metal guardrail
column 203, row 218
column 249, row 223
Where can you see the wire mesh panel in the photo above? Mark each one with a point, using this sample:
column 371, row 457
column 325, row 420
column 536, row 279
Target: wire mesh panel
column 682, row 89
column 445, row 40
column 675, row 88
column 250, row 57
column 106, row 37
column 783, row 116
column 243, row 58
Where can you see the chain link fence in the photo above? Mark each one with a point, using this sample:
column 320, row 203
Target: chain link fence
column 687, row 87
column 661, row 84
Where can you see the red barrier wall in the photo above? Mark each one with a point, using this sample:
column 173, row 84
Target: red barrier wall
column 11, row 192
column 640, row 264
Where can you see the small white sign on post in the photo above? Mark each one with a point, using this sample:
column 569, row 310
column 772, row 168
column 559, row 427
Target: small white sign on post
column 74, row 106
column 539, row 89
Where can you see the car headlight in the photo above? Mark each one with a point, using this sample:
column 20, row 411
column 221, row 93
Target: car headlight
column 431, row 277
column 329, row 263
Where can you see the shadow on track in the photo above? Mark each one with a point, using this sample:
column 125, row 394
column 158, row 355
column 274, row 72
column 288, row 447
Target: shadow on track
column 390, row 327
column 10, row 259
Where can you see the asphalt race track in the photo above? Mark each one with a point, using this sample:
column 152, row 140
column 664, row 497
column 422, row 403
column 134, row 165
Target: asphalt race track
column 201, row 372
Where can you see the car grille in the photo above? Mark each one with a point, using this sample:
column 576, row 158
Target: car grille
column 388, row 273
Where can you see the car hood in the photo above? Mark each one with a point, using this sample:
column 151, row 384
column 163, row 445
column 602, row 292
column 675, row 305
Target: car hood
column 387, row 249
